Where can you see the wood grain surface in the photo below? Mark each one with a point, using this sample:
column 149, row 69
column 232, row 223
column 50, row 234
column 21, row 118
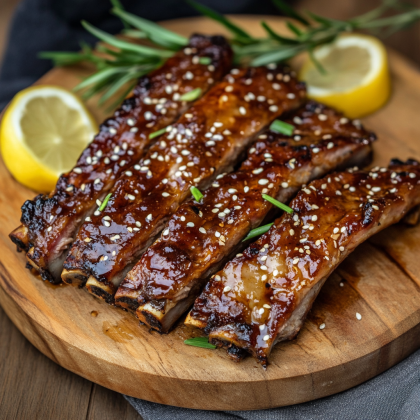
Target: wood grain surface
column 380, row 280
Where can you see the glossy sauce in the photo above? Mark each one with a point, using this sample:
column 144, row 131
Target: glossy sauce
column 259, row 290
column 155, row 104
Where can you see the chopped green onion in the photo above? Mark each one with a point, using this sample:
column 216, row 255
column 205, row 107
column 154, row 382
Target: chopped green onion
column 200, row 342
column 105, row 202
column 196, row 193
column 157, row 133
column 258, row 231
column 277, row 203
column 282, row 127
column 204, row 60
column 192, row 95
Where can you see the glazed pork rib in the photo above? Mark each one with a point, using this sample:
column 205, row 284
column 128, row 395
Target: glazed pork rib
column 50, row 222
column 201, row 236
column 206, row 141
column 263, row 295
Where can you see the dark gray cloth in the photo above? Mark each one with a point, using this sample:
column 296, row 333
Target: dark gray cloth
column 393, row 395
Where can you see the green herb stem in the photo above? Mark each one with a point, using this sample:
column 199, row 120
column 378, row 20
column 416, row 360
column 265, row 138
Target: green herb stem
column 277, row 203
column 196, row 193
column 257, row 232
column 282, row 127
column 200, row 342
column 192, row 95
column 105, row 202
column 157, row 133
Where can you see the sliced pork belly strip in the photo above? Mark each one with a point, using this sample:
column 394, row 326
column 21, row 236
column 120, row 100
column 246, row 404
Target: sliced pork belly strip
column 50, row 222
column 171, row 273
column 206, row 141
column 263, row 295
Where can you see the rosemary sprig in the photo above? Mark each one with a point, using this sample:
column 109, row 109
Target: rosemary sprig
column 121, row 62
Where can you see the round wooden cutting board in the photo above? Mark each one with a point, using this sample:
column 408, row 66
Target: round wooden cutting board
column 380, row 280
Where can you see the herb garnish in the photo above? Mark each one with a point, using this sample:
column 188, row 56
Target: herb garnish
column 157, row 133
column 196, row 193
column 204, row 60
column 200, row 342
column 192, row 95
column 257, row 232
column 105, row 202
column 277, row 203
column 282, row 127
column 119, row 67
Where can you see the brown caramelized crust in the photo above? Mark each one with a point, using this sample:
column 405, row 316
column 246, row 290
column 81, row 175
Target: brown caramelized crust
column 174, row 269
column 50, row 222
column 206, row 141
column 263, row 295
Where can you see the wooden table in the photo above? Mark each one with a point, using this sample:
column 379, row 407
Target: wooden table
column 34, row 387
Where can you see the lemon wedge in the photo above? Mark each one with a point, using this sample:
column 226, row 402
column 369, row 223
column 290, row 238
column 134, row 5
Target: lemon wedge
column 42, row 134
column 357, row 79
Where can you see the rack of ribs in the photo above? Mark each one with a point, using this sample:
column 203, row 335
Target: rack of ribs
column 263, row 295
column 206, row 141
column 201, row 236
column 50, row 222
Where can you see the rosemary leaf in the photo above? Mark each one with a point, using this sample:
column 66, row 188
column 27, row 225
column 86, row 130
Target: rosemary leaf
column 257, row 232
column 288, row 11
column 200, row 342
column 155, row 32
column 228, row 24
column 124, row 45
column 192, row 95
column 196, row 193
column 276, row 36
column 277, row 203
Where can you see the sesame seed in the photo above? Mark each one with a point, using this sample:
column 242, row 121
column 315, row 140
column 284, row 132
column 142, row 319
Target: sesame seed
column 291, row 96
column 263, row 181
column 148, row 115
column 49, row 229
column 341, row 248
column 165, row 194
column 202, row 230
column 257, row 171
column 246, row 189
column 322, row 117
column 149, row 216
column 217, row 277
column 375, row 207
column 295, row 260
column 190, row 224
column 97, row 213
column 114, row 238
column 227, row 289
column 316, row 149
column 358, row 316
column 242, row 110
column 263, row 267
column 210, row 143
column 322, row 326
column 77, row 170
column 130, row 121
column 130, row 197
column 266, row 337
column 336, row 230
column 106, row 223
column 87, row 240
column 166, row 232
column 217, row 234
column 275, row 272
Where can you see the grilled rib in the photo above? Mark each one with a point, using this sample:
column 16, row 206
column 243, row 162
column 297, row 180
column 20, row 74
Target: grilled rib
column 170, row 275
column 263, row 296
column 50, row 222
column 205, row 142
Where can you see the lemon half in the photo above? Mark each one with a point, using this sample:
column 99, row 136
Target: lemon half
column 357, row 79
column 42, row 134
